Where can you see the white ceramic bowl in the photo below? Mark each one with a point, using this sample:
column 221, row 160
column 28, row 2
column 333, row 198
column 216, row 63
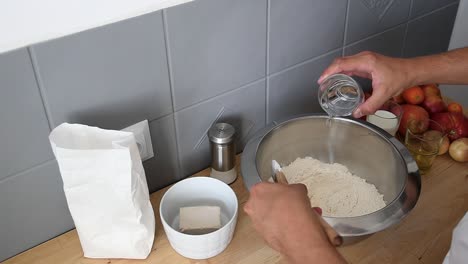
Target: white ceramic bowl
column 199, row 191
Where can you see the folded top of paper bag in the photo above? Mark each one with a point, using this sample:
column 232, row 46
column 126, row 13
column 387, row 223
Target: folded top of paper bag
column 77, row 136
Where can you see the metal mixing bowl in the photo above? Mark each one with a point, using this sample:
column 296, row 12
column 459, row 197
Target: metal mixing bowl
column 365, row 149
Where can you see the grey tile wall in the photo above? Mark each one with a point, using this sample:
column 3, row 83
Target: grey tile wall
column 244, row 108
column 431, row 33
column 247, row 62
column 421, row 7
column 33, row 209
column 294, row 91
column 367, row 17
column 211, row 43
column 110, row 77
column 458, row 92
column 163, row 168
column 389, row 43
column 24, row 129
column 303, row 29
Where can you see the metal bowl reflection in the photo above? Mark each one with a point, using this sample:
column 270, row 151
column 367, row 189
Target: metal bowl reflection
column 365, row 149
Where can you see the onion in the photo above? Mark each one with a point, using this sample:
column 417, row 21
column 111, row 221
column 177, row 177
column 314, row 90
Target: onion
column 458, row 150
column 434, row 134
column 444, row 146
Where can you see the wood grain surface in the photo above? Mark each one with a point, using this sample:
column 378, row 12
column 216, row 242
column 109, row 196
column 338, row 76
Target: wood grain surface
column 422, row 237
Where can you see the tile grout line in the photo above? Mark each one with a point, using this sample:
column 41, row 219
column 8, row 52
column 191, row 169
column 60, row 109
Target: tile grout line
column 168, row 57
column 25, row 171
column 345, row 33
column 410, row 10
column 433, row 11
column 40, row 86
column 403, row 47
column 417, row 18
column 376, row 34
column 171, row 87
column 267, row 62
column 305, row 62
column 160, row 117
column 405, row 37
column 310, row 60
column 399, row 25
column 222, row 94
column 334, row 50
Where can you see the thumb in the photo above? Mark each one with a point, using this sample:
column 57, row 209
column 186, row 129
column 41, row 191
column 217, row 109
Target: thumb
column 248, row 207
column 371, row 105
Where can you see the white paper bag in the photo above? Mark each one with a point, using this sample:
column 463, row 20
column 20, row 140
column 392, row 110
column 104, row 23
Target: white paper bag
column 106, row 190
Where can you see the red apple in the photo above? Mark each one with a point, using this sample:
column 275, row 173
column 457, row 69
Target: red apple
column 434, row 104
column 399, row 99
column 413, row 112
column 455, row 107
column 413, row 95
column 455, row 124
column 431, row 89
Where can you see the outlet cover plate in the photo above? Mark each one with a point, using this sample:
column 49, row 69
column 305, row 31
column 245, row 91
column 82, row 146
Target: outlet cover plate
column 143, row 139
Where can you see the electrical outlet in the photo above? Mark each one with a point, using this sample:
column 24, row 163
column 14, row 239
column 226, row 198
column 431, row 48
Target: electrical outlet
column 143, row 139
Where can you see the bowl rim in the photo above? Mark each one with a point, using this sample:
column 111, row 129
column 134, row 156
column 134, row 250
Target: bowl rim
column 198, row 178
column 392, row 211
column 395, row 199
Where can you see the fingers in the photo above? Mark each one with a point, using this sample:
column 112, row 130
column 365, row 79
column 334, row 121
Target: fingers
column 371, row 105
column 248, row 207
column 300, row 188
column 359, row 64
column 359, row 74
column 254, row 192
column 259, row 193
column 264, row 192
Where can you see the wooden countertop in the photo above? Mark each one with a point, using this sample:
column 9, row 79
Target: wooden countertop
column 422, row 237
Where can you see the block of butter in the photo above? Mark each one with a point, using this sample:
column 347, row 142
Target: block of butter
column 198, row 220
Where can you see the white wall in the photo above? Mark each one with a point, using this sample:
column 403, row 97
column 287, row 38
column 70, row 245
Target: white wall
column 25, row 22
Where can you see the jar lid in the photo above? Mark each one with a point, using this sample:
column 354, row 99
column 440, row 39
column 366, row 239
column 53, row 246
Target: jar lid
column 221, row 133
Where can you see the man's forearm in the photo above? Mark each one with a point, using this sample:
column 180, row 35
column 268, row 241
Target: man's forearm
column 310, row 245
column 447, row 68
column 327, row 255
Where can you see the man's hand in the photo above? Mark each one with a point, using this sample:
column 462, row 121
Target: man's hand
column 390, row 76
column 283, row 216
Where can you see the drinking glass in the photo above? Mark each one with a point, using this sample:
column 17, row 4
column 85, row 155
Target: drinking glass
column 424, row 143
column 387, row 117
column 340, row 95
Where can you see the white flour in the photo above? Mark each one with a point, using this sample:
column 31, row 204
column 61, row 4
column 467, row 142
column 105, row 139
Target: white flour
column 334, row 189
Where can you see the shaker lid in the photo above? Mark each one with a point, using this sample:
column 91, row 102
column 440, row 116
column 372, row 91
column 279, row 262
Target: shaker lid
column 221, row 133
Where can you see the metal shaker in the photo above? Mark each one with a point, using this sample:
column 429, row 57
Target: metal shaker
column 223, row 152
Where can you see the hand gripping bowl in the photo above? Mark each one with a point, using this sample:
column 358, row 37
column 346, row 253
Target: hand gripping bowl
column 365, row 149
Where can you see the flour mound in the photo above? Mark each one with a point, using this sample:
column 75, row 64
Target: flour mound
column 334, row 188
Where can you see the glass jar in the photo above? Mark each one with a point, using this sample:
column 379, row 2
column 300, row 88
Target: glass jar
column 340, row 95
